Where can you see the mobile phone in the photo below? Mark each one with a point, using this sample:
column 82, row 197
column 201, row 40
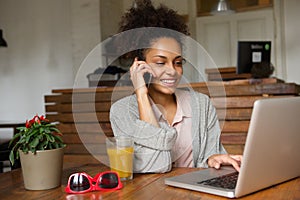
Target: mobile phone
column 147, row 76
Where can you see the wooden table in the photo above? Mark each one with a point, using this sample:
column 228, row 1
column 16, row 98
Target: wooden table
column 143, row 186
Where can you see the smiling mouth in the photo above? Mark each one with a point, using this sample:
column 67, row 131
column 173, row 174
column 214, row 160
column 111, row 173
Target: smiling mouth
column 169, row 82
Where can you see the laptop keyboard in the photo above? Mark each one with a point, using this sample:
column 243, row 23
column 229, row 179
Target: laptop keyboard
column 227, row 181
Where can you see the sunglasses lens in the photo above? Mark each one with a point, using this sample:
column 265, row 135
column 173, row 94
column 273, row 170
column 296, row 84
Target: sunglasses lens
column 79, row 182
column 108, row 181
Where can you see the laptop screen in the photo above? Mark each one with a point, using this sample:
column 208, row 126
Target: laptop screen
column 252, row 52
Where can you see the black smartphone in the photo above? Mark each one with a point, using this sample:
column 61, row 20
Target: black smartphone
column 147, row 76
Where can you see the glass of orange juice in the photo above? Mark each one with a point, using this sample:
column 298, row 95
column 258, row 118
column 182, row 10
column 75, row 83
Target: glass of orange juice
column 120, row 153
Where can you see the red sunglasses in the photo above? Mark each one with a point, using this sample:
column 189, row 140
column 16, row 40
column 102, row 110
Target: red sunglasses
column 81, row 182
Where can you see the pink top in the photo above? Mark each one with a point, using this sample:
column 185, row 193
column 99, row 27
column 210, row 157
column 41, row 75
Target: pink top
column 182, row 154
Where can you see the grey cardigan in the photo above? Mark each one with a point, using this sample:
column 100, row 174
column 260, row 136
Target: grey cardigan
column 152, row 145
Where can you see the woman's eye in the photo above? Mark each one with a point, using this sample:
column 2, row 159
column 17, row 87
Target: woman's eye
column 179, row 62
column 160, row 63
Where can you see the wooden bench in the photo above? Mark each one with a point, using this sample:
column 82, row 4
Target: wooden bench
column 89, row 108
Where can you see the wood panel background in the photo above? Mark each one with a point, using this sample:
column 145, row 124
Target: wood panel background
column 86, row 111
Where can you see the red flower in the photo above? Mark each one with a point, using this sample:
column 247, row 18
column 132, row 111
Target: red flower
column 42, row 118
column 28, row 124
column 35, row 119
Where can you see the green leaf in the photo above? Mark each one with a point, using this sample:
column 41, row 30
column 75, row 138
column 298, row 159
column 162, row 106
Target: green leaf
column 33, row 150
column 47, row 131
column 29, row 136
column 12, row 157
column 58, row 138
column 40, row 137
column 25, row 150
column 21, row 141
column 21, row 129
column 17, row 155
column 42, row 129
column 43, row 145
column 53, row 129
column 18, row 135
column 50, row 138
column 35, row 142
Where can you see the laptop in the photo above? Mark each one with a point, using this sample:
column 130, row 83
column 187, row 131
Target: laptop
column 271, row 154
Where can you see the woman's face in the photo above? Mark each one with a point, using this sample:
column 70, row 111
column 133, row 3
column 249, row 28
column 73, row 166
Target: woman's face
column 166, row 61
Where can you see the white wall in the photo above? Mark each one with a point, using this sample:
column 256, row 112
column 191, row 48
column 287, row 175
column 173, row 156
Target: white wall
column 38, row 57
column 292, row 40
column 85, row 33
column 47, row 41
column 110, row 16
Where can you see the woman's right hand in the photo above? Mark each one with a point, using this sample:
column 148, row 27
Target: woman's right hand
column 137, row 71
column 225, row 159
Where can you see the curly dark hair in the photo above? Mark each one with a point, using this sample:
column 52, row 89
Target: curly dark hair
column 144, row 14
column 149, row 23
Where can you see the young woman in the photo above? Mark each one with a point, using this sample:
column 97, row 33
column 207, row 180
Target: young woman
column 169, row 126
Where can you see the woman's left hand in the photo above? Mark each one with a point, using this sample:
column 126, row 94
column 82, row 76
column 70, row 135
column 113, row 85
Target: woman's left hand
column 225, row 159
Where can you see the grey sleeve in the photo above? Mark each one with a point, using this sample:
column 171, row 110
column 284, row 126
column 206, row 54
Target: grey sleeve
column 209, row 132
column 153, row 145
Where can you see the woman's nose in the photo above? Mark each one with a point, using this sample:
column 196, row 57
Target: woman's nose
column 170, row 68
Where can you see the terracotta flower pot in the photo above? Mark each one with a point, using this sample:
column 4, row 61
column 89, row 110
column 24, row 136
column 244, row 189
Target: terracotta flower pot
column 43, row 170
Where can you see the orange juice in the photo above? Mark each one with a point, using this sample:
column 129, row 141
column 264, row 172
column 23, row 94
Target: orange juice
column 121, row 161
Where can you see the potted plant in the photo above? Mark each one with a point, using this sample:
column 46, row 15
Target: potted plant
column 39, row 146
